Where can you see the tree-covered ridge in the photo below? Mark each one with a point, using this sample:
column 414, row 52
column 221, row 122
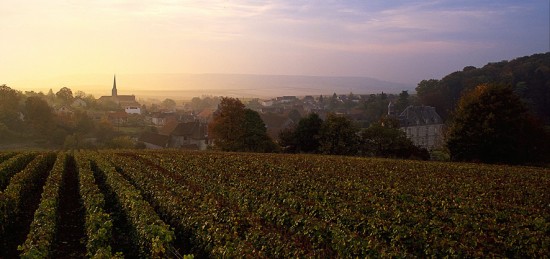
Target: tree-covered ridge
column 529, row 76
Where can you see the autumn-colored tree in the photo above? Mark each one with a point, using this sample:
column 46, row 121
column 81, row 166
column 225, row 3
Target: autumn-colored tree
column 492, row 125
column 235, row 128
column 225, row 130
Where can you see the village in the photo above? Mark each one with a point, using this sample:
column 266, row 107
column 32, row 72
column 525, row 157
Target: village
column 184, row 125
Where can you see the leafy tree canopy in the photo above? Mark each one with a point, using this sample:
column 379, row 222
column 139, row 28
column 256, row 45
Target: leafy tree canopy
column 304, row 138
column 235, row 128
column 529, row 77
column 65, row 95
column 491, row 124
column 169, row 103
column 338, row 136
column 385, row 139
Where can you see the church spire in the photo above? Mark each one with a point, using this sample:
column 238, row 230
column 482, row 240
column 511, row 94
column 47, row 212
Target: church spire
column 114, row 92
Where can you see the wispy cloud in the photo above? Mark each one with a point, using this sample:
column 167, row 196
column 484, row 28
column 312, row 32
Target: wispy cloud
column 265, row 36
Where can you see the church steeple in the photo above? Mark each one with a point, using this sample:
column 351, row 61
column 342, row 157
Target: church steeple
column 114, row 92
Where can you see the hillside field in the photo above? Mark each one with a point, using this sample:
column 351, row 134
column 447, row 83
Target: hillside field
column 170, row 204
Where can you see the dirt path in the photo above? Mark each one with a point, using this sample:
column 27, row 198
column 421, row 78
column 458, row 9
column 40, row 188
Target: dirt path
column 71, row 238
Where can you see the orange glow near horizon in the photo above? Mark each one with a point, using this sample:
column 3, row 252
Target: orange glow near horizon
column 81, row 44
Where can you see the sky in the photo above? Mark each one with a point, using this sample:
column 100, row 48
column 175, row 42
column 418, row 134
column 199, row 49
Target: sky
column 399, row 41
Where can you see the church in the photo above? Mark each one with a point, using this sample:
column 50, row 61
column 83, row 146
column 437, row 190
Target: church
column 128, row 102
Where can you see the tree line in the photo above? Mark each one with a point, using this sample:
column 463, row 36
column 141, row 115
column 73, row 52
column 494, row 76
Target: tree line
column 497, row 113
column 30, row 117
column 236, row 128
column 528, row 77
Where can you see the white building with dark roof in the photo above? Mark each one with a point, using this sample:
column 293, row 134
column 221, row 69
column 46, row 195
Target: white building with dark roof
column 422, row 125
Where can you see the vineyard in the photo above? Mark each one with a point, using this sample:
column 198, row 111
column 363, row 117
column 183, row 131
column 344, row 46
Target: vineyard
column 173, row 204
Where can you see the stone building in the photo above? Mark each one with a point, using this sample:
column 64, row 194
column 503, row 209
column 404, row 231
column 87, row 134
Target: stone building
column 421, row 124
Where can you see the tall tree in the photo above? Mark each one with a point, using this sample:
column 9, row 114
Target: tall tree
column 39, row 116
column 226, row 127
column 304, row 138
column 255, row 138
column 403, row 102
column 9, row 108
column 65, row 95
column 235, row 128
column 492, row 125
column 307, row 134
column 169, row 104
column 338, row 136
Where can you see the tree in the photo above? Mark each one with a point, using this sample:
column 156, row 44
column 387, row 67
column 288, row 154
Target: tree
column 426, row 86
column 226, row 127
column 169, row 104
column 385, row 139
column 307, row 133
column 403, row 102
column 255, row 138
column 83, row 123
column 304, row 138
column 376, row 107
column 333, row 103
column 235, row 128
column 9, row 108
column 50, row 96
column 105, row 131
column 287, row 140
column 65, row 95
column 492, row 125
column 338, row 136
column 122, row 142
column 39, row 116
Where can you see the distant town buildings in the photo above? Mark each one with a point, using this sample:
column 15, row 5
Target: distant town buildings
column 127, row 102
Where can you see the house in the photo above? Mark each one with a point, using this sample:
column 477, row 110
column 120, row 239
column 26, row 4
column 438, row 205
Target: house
column 275, row 123
column 117, row 118
column 64, row 113
column 168, row 127
column 266, row 103
column 309, row 99
column 206, row 115
column 422, row 125
column 132, row 109
column 154, row 140
column 79, row 103
column 287, row 99
column 189, row 135
column 184, row 135
column 161, row 118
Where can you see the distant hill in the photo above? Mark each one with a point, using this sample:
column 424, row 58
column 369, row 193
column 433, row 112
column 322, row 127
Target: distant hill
column 234, row 85
column 240, row 85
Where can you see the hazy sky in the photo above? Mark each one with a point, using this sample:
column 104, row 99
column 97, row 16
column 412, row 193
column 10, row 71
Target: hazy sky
column 400, row 41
